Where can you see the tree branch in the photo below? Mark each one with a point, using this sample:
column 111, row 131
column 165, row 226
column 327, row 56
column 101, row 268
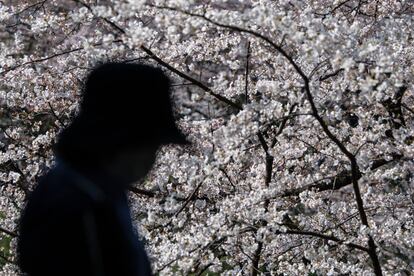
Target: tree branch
column 342, row 179
column 165, row 64
column 189, row 198
column 330, row 75
column 6, row 260
column 246, row 86
column 190, row 79
column 322, row 236
column 241, row 30
column 40, row 60
column 8, row 232
column 61, row 122
column 269, row 166
column 331, row 136
column 141, row 192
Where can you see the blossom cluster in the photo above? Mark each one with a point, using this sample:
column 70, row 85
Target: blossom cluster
column 300, row 115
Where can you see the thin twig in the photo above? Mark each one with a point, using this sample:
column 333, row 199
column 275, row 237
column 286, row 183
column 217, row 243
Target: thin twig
column 61, row 122
column 40, row 60
column 246, row 88
column 141, row 192
column 330, row 75
column 191, row 79
column 338, row 181
column 269, row 167
column 322, row 236
column 189, row 198
column 8, row 232
column 408, row 108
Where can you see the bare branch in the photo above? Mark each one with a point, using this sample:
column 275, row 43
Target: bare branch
column 268, row 177
column 8, row 232
column 322, row 236
column 62, row 124
column 408, row 108
column 189, row 198
column 40, row 60
column 241, row 30
column 283, row 124
column 246, row 86
column 330, row 75
column 7, row 260
column 35, row 5
column 190, row 79
column 141, row 192
column 166, row 65
column 338, row 181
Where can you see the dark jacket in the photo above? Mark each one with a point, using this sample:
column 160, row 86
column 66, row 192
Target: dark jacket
column 79, row 224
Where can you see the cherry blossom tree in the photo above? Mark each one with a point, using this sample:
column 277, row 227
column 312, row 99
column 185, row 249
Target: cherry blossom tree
column 300, row 114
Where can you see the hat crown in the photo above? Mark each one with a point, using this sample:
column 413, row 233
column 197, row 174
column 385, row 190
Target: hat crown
column 132, row 100
column 127, row 93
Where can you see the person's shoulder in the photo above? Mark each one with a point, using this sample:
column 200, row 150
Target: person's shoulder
column 63, row 190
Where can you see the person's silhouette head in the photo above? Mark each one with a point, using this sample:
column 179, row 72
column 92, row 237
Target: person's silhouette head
column 125, row 115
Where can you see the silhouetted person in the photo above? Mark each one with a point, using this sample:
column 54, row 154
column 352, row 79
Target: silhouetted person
column 77, row 220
